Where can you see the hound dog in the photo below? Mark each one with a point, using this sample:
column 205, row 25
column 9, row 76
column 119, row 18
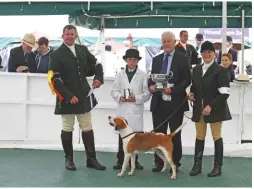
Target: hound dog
column 133, row 143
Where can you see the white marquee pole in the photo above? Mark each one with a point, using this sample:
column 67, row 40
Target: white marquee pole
column 242, row 45
column 102, row 43
column 224, row 27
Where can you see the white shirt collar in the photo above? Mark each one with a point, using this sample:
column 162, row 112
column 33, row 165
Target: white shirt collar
column 207, row 65
column 183, row 44
column 131, row 70
column 70, row 46
column 171, row 53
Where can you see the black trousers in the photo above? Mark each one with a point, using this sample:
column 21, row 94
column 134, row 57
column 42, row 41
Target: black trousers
column 120, row 153
column 163, row 111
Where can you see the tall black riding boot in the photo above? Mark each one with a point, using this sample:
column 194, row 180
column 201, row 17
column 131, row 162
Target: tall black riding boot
column 218, row 158
column 66, row 138
column 120, row 154
column 199, row 149
column 88, row 139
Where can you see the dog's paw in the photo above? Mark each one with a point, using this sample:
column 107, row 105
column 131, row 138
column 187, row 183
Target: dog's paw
column 120, row 174
column 163, row 169
column 130, row 173
column 173, row 177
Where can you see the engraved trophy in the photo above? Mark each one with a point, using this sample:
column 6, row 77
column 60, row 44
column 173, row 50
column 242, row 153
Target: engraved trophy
column 161, row 80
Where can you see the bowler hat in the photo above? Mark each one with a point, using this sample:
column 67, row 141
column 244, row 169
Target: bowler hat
column 108, row 48
column 132, row 53
column 207, row 46
column 229, row 39
column 199, row 36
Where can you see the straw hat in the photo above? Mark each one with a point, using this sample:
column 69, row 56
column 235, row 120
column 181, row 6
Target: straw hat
column 242, row 78
column 29, row 39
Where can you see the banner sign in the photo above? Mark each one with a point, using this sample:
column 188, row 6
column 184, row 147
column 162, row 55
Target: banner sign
column 215, row 33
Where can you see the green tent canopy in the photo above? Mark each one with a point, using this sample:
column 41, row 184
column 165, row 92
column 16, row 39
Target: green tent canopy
column 207, row 14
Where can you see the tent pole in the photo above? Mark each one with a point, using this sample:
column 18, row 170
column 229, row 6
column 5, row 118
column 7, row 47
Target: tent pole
column 242, row 45
column 241, row 64
column 166, row 16
column 102, row 43
column 224, row 27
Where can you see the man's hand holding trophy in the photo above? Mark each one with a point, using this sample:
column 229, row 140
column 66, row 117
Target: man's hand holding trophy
column 167, row 91
column 128, row 96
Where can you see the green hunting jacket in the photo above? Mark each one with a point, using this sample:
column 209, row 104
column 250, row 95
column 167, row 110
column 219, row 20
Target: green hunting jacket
column 70, row 80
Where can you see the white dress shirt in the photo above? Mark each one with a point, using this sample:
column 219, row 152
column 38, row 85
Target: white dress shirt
column 183, row 44
column 206, row 66
column 72, row 48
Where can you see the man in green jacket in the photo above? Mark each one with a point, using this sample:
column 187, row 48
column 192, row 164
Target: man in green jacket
column 69, row 65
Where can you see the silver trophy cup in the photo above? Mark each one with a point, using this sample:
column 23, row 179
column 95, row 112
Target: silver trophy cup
column 127, row 93
column 161, row 80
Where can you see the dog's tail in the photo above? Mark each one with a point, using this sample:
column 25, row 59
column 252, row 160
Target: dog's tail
column 177, row 130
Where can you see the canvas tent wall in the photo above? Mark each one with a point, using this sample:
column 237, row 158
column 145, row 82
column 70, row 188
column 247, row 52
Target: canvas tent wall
column 151, row 14
column 165, row 15
column 138, row 14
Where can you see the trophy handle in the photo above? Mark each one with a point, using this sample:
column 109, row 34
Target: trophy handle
column 170, row 74
column 149, row 74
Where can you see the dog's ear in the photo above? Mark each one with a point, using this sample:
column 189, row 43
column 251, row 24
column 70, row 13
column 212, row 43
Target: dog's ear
column 116, row 128
column 120, row 123
column 126, row 121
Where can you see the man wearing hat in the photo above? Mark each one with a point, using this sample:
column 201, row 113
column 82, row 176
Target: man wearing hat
column 131, row 108
column 230, row 50
column 199, row 41
column 209, row 93
column 22, row 59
